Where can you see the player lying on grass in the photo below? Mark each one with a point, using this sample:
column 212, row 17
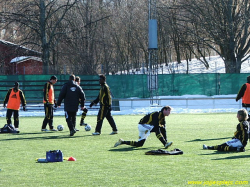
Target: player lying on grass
column 240, row 138
column 153, row 122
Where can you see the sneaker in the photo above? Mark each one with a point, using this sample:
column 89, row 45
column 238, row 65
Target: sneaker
column 205, row 146
column 83, row 124
column 72, row 133
column 119, row 142
column 17, row 131
column 53, row 130
column 168, row 145
column 76, row 129
column 45, row 130
column 114, row 132
column 95, row 133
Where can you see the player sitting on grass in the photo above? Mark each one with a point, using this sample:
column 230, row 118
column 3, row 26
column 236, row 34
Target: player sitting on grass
column 240, row 138
column 153, row 122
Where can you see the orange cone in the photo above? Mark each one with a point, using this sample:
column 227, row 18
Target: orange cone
column 71, row 159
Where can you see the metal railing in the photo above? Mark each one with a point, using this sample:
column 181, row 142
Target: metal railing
column 194, row 102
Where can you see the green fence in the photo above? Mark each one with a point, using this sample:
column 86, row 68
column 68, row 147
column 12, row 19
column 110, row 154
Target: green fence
column 32, row 85
column 126, row 86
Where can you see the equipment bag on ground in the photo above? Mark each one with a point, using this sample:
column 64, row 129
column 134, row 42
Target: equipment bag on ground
column 8, row 128
column 54, row 156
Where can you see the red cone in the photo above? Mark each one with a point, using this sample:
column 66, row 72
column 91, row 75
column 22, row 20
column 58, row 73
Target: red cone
column 71, row 159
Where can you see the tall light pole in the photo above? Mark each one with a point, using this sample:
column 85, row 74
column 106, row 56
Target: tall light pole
column 152, row 51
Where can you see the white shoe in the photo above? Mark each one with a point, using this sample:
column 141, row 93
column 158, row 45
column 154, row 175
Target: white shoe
column 168, row 145
column 119, row 142
column 45, row 130
column 52, row 129
column 204, row 146
column 95, row 133
column 114, row 132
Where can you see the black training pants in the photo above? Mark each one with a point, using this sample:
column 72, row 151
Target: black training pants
column 48, row 116
column 105, row 111
column 16, row 117
column 70, row 119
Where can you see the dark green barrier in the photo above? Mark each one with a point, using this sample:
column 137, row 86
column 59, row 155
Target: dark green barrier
column 126, row 86
column 32, row 85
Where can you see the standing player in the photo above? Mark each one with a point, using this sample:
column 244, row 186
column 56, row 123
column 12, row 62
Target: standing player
column 105, row 100
column 71, row 93
column 239, row 141
column 152, row 122
column 84, row 113
column 244, row 93
column 14, row 97
column 49, row 101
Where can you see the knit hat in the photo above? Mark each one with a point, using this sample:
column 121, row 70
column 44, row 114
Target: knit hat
column 53, row 77
column 16, row 84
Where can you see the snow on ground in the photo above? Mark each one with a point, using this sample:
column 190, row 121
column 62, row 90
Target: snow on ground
column 135, row 106
column 216, row 65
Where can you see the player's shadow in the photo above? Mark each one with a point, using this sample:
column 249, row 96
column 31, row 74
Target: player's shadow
column 41, row 137
column 215, row 152
column 233, row 157
column 121, row 149
column 237, row 155
column 201, row 140
column 28, row 133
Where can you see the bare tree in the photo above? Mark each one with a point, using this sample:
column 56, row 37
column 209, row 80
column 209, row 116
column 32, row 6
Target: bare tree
column 84, row 36
column 87, row 37
column 222, row 23
column 41, row 21
column 129, row 35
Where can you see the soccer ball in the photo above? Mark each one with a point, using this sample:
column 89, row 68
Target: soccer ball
column 60, row 127
column 87, row 127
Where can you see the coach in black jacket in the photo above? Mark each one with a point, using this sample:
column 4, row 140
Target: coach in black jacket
column 71, row 93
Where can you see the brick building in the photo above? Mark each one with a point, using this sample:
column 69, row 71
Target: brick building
column 29, row 65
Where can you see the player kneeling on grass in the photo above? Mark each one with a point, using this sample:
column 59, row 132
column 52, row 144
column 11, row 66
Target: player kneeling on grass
column 153, row 122
column 240, row 138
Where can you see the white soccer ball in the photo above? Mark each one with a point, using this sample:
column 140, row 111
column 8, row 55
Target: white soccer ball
column 60, row 127
column 87, row 127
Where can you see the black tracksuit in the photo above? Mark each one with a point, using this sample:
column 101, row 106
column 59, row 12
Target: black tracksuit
column 71, row 93
column 241, row 133
column 105, row 100
column 48, row 107
column 156, row 119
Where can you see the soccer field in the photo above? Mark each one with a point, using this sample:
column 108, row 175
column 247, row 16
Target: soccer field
column 98, row 163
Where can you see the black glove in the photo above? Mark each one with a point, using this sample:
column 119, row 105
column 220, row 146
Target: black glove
column 24, row 108
column 91, row 104
column 55, row 105
column 4, row 105
column 85, row 110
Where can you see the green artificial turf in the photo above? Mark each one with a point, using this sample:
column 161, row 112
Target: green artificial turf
column 98, row 163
